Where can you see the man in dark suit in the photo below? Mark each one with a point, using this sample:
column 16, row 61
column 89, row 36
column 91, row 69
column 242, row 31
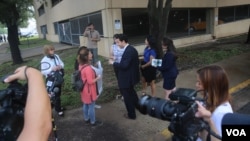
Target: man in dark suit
column 128, row 75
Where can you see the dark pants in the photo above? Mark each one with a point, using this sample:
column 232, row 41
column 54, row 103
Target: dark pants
column 95, row 55
column 116, row 72
column 56, row 102
column 131, row 100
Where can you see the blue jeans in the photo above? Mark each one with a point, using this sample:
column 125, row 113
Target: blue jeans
column 89, row 112
column 95, row 55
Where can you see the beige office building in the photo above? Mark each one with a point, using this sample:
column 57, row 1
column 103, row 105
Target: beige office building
column 190, row 21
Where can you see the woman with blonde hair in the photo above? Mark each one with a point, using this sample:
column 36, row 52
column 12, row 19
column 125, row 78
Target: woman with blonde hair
column 51, row 63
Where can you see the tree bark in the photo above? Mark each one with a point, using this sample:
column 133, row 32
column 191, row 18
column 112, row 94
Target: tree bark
column 248, row 36
column 13, row 42
column 158, row 21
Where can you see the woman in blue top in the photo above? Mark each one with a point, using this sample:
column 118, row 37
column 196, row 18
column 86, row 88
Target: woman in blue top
column 168, row 69
column 148, row 72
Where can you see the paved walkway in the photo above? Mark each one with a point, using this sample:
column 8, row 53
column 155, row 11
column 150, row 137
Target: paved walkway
column 144, row 128
column 5, row 54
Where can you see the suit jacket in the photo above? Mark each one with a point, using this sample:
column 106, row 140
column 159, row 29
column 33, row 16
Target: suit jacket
column 169, row 68
column 128, row 74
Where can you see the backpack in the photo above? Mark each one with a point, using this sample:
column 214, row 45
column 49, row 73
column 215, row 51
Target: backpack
column 76, row 80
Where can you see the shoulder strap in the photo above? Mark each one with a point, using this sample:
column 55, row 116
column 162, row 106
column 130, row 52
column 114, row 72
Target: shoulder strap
column 56, row 58
column 83, row 67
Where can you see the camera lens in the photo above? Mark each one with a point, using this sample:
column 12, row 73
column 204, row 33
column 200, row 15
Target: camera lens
column 156, row 107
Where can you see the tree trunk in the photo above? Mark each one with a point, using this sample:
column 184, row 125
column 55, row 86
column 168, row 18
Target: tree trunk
column 13, row 42
column 248, row 36
column 158, row 21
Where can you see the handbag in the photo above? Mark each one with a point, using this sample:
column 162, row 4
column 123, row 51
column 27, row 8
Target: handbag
column 56, row 77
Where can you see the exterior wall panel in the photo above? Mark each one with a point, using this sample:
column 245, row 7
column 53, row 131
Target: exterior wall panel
column 233, row 28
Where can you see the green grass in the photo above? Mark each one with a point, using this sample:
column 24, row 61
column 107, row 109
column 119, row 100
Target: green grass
column 32, row 42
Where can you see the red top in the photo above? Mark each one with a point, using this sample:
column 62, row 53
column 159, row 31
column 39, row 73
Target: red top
column 89, row 93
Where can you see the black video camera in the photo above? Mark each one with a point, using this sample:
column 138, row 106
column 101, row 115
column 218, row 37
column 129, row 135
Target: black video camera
column 180, row 112
column 53, row 83
column 12, row 104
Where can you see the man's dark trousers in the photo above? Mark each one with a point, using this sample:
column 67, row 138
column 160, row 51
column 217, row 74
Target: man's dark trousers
column 130, row 100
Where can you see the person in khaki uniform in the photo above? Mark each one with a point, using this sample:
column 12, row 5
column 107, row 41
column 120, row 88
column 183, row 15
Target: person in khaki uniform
column 93, row 37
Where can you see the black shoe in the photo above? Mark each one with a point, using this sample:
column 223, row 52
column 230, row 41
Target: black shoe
column 97, row 123
column 127, row 117
column 87, row 121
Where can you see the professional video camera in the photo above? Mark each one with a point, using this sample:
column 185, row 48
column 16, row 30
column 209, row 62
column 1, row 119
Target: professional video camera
column 180, row 112
column 53, row 81
column 12, row 104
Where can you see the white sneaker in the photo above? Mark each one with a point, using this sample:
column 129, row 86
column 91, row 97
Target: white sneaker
column 98, row 106
column 60, row 113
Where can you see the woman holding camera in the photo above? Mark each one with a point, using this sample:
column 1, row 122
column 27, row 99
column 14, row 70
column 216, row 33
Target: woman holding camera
column 213, row 82
column 51, row 63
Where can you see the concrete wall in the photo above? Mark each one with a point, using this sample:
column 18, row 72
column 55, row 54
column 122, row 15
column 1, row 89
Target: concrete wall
column 232, row 28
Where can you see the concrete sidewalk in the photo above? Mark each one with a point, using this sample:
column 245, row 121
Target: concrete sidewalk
column 5, row 54
column 144, row 128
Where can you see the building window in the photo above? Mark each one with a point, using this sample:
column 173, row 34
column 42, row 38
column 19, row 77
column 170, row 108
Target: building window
column 230, row 14
column 181, row 22
column 55, row 2
column 241, row 12
column 56, row 27
column 41, row 10
column 44, row 31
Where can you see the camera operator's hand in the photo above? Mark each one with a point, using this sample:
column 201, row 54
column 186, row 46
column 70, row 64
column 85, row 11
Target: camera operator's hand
column 202, row 112
column 37, row 115
column 205, row 114
column 19, row 74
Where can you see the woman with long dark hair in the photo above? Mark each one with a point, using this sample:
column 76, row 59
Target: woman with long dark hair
column 147, row 70
column 169, row 69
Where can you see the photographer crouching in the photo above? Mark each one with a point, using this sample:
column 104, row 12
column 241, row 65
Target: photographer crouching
column 192, row 118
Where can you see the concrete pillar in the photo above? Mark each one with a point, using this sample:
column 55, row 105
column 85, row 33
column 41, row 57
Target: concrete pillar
column 215, row 21
column 112, row 24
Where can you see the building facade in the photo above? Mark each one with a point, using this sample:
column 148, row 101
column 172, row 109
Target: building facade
column 190, row 21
